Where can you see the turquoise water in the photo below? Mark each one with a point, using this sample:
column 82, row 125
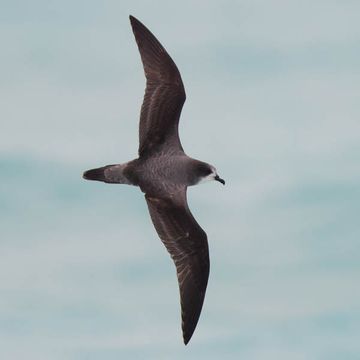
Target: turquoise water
column 275, row 85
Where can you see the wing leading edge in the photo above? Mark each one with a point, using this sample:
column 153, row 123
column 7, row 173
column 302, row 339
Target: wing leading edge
column 187, row 244
column 164, row 94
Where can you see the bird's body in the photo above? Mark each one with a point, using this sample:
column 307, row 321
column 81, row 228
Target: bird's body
column 163, row 172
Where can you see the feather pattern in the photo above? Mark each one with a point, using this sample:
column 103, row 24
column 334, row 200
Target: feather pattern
column 187, row 244
column 164, row 95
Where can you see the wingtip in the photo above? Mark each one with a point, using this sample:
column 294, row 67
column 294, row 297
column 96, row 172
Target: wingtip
column 187, row 336
column 135, row 24
column 133, row 20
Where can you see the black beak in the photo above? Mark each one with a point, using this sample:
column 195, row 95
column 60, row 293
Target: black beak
column 219, row 179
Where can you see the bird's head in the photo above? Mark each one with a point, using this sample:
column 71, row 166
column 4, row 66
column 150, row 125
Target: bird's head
column 206, row 172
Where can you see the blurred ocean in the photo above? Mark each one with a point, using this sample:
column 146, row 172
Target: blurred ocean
column 275, row 85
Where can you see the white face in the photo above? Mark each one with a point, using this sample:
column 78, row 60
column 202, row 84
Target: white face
column 209, row 177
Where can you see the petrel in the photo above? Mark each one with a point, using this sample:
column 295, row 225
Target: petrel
column 163, row 172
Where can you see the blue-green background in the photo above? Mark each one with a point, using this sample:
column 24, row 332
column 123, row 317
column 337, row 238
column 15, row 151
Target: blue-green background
column 272, row 101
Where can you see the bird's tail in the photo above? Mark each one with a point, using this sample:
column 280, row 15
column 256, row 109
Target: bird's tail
column 112, row 174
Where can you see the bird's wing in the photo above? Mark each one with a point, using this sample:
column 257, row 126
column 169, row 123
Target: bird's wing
column 187, row 244
column 164, row 94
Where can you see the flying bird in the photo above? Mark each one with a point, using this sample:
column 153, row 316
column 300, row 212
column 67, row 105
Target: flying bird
column 163, row 172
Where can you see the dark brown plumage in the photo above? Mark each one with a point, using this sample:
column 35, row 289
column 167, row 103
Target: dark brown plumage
column 181, row 234
column 163, row 172
column 164, row 94
column 187, row 244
